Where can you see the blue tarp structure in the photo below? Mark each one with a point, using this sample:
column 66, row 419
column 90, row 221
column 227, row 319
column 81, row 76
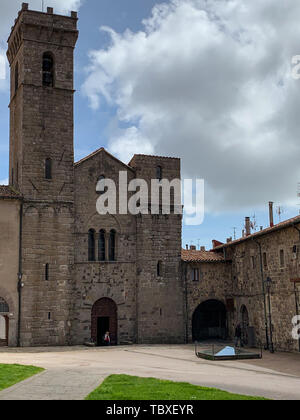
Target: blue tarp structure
column 227, row 351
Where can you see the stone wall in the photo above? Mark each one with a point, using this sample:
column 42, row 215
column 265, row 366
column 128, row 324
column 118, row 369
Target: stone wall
column 247, row 283
column 214, row 284
column 9, row 262
column 115, row 280
column 42, row 128
column 160, row 297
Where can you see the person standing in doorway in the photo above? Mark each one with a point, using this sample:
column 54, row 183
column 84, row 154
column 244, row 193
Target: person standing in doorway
column 107, row 339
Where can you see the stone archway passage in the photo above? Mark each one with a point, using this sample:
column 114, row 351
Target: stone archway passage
column 209, row 321
column 104, row 318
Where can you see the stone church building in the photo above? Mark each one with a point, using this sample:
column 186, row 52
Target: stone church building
column 69, row 274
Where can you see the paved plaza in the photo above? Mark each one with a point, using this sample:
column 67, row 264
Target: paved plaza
column 72, row 373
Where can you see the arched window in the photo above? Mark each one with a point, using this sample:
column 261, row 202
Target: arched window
column 48, row 70
column 159, row 269
column 16, row 77
column 4, row 308
column 159, row 173
column 112, row 245
column 91, row 245
column 101, row 246
column 48, row 168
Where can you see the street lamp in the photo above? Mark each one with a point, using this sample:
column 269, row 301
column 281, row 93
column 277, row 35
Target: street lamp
column 20, row 283
column 269, row 283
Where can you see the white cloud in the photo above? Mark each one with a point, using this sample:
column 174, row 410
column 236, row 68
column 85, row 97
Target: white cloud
column 130, row 143
column 4, row 181
column 210, row 81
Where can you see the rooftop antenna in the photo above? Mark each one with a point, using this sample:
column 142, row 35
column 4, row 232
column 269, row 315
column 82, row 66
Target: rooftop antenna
column 279, row 211
column 43, row 6
column 254, row 223
column 234, row 232
column 199, row 244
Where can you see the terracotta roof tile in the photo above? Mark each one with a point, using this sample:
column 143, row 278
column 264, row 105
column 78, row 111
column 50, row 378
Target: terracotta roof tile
column 201, row 256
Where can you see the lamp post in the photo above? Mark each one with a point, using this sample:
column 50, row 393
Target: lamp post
column 269, row 283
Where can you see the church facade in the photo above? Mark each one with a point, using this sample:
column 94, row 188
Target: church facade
column 69, row 274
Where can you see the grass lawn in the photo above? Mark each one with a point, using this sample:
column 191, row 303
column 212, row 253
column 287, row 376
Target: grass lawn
column 123, row 387
column 12, row 374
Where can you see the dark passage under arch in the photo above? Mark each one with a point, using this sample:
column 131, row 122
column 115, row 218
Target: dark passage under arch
column 209, row 321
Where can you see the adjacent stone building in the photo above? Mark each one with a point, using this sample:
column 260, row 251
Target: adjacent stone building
column 69, row 274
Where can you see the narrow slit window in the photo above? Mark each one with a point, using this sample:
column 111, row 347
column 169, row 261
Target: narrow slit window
column 16, row 77
column 48, row 168
column 265, row 260
column 159, row 269
column 47, row 272
column 195, row 274
column 282, row 259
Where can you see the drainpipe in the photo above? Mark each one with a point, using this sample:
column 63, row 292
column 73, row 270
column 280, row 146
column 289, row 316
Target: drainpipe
column 186, row 306
column 264, row 293
column 20, row 276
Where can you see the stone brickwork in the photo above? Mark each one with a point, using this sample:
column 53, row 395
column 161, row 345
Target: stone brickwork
column 9, row 258
column 248, row 289
column 160, row 298
column 145, row 302
column 214, row 283
column 41, row 128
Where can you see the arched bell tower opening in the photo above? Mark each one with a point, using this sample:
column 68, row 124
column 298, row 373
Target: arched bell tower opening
column 104, row 319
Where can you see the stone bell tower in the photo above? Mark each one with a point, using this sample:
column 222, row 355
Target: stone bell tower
column 40, row 53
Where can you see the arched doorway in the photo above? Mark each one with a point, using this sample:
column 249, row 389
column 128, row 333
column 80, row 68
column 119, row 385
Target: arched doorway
column 209, row 321
column 245, row 324
column 4, row 322
column 104, row 318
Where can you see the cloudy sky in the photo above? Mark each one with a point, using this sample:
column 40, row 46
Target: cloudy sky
column 209, row 81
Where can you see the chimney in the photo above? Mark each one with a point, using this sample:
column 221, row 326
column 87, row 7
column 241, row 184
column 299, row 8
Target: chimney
column 261, row 228
column 203, row 249
column 271, row 214
column 216, row 243
column 193, row 248
column 187, row 247
column 248, row 226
